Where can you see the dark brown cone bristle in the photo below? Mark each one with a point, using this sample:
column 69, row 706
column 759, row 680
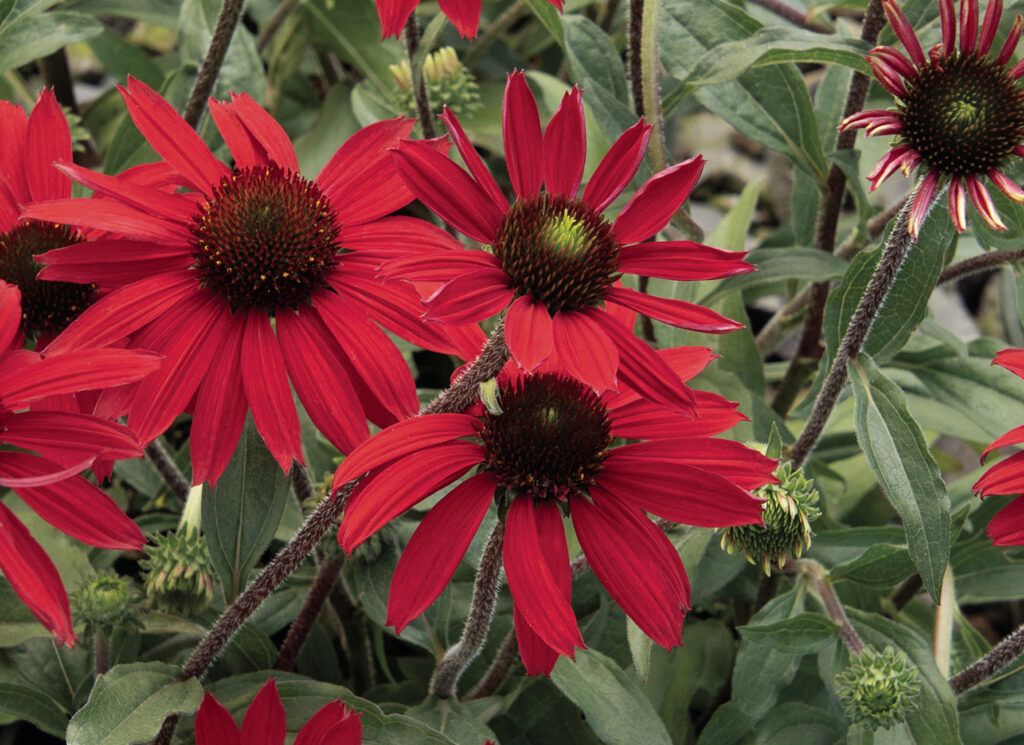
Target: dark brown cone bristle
column 551, row 437
column 267, row 239
column 46, row 307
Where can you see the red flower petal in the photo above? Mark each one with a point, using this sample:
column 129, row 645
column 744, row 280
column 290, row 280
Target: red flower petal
column 922, row 203
column 214, row 724
column 1014, row 437
column 473, row 161
column 678, row 313
column 13, row 128
column 71, row 373
column 993, row 13
column 1007, row 527
column 636, row 563
column 643, row 419
column 520, row 129
column 565, row 147
column 436, row 548
column 362, row 153
column 528, row 332
column 67, row 436
column 1005, row 477
column 113, row 263
column 333, row 724
column 682, row 261
column 438, row 266
column 264, row 722
column 584, row 350
column 33, row 576
column 686, row 362
column 171, row 207
column 1012, row 360
column 264, row 130
column 905, row 31
column 732, row 460
column 617, row 167
column 470, row 297
column 47, row 141
column 393, row 14
column 398, row 235
column 10, row 314
column 244, row 150
column 118, row 218
column 535, row 591
column 655, row 202
column 464, row 15
column 268, row 392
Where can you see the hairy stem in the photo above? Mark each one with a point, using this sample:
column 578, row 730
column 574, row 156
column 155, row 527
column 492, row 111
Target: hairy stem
column 893, row 256
column 792, row 15
column 833, row 605
column 504, row 660
column 298, row 632
column 465, row 390
column 997, row 658
column 168, row 469
column 227, row 21
column 942, row 640
column 634, row 31
column 975, row 264
column 445, row 682
column 419, row 84
column 301, row 484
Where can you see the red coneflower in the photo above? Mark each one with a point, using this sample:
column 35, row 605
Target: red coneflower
column 67, row 443
column 959, row 112
column 554, row 259
column 548, row 455
column 1007, row 476
column 199, row 275
column 264, row 723
column 29, row 146
column 464, row 14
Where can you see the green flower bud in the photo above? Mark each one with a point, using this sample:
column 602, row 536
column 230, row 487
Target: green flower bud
column 106, row 602
column 878, row 688
column 448, row 83
column 178, row 572
column 789, row 509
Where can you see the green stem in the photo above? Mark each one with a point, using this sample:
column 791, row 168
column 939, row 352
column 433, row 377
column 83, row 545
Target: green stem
column 943, row 638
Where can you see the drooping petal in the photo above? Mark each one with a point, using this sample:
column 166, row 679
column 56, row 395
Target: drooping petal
column 1008, row 186
column 1012, row 39
column 535, row 591
column 655, row 202
column 464, row 15
column 682, row 261
column 585, row 350
column 264, row 722
column 473, row 161
column 401, row 485
column 436, row 548
column 34, row 577
column 470, row 297
column 678, row 313
column 47, row 141
column 528, row 332
column 393, row 14
column 214, row 724
column 1007, row 527
column 617, row 167
column 629, row 556
column 982, row 202
column 957, row 204
column 922, row 203
column 901, row 157
column 524, row 144
column 565, row 147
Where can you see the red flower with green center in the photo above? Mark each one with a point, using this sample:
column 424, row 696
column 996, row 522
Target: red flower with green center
column 198, row 276
column 1006, row 476
column 959, row 112
column 42, row 451
column 464, row 14
column 29, row 146
column 549, row 454
column 555, row 259
column 264, row 723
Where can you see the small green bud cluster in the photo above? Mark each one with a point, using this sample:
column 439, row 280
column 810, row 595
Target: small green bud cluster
column 447, row 80
column 179, row 572
column 107, row 602
column 878, row 688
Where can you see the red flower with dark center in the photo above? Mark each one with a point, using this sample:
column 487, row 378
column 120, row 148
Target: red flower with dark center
column 29, row 146
column 198, row 275
column 67, row 443
column 549, row 454
column 554, row 259
column 264, row 723
column 464, row 14
column 1006, row 476
column 959, row 112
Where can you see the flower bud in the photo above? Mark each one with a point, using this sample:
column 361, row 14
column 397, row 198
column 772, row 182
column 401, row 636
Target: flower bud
column 106, row 602
column 178, row 572
column 878, row 688
column 448, row 83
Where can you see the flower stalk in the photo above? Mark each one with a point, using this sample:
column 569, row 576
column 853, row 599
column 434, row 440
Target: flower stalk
column 412, row 46
column 997, row 658
column 298, row 632
column 168, row 469
column 942, row 641
column 227, row 22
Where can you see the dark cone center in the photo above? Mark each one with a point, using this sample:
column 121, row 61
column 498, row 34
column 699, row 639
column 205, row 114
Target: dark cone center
column 551, row 437
column 559, row 251
column 964, row 115
column 46, row 307
column 267, row 239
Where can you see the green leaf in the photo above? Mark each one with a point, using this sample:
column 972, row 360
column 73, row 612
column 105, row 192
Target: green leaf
column 881, row 566
column 156, row 12
column 782, row 263
column 6, row 6
column 639, row 649
column 802, row 634
column 241, row 513
column 30, row 37
column 615, row 708
column 549, row 18
column 31, row 705
column 128, row 704
column 595, row 66
column 899, row 458
column 796, row 722
column 991, row 716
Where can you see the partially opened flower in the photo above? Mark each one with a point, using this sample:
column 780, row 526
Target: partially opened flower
column 544, row 453
column 264, row 723
column 29, row 146
column 1006, row 476
column 959, row 111
column 49, row 449
column 199, row 276
column 554, row 258
column 464, row 14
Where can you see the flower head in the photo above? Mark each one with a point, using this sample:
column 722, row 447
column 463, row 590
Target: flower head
column 42, row 451
column 464, row 15
column 545, row 453
column 959, row 112
column 250, row 281
column 107, row 602
column 878, row 688
column 29, row 145
column 333, row 724
column 554, row 258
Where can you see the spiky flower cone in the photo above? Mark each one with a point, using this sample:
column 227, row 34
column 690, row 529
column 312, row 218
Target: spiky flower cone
column 448, row 83
column 106, row 602
column 179, row 573
column 878, row 688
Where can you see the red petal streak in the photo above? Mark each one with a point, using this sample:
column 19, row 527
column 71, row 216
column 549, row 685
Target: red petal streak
column 71, row 373
column 993, row 13
column 520, row 129
column 436, row 548
column 1008, row 186
column 686, row 362
column 678, row 313
column 1012, row 39
column 538, row 658
column 536, row 592
column 643, row 419
column 584, row 350
column 34, row 577
column 67, row 436
column 333, row 724
column 470, row 297
column 13, row 127
column 473, row 161
column 982, row 202
column 905, row 31
column 1005, row 477
column 617, row 167
column 464, row 15
column 398, row 235
column 362, row 155
column 731, row 460
column 402, row 439
column 947, row 19
column 113, row 262
column 1012, row 360
column 47, row 141
column 172, row 207
column 10, row 315
column 630, row 557
column 1014, row 437
column 264, row 722
column 437, row 266
column 565, row 147
column 118, row 218
column 268, row 392
column 957, row 204
column 922, row 203
column 1007, row 527
column 244, row 150
column 968, row 25
column 393, row 14
column 896, row 63
column 402, row 484
column 214, row 724
column 53, row 472
column 682, row 260
column 528, row 332
column 448, row 190
column 265, row 131
column 655, row 202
